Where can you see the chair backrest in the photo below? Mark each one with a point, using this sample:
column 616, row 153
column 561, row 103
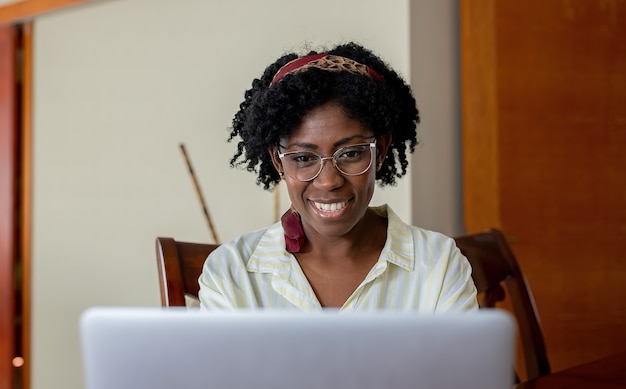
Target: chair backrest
column 180, row 265
column 495, row 266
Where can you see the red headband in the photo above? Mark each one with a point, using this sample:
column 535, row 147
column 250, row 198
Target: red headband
column 329, row 62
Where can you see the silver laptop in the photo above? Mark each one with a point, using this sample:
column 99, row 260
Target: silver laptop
column 136, row 348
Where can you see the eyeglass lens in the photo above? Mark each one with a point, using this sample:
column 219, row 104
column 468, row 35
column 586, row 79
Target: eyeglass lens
column 351, row 160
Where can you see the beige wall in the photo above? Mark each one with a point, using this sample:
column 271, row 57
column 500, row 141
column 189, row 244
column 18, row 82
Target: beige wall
column 436, row 179
column 119, row 84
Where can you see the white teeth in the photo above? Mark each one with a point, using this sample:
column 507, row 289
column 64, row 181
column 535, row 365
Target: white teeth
column 330, row 207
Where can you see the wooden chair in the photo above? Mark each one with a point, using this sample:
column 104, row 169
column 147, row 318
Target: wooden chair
column 180, row 265
column 495, row 266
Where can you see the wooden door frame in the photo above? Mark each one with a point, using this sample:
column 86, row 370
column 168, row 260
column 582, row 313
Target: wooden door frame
column 8, row 201
column 22, row 11
column 480, row 115
column 25, row 193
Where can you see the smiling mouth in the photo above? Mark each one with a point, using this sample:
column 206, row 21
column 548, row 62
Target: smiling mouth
column 330, row 207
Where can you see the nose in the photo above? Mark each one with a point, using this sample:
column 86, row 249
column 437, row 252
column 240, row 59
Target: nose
column 329, row 177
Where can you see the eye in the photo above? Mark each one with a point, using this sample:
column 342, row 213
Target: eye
column 304, row 159
column 351, row 153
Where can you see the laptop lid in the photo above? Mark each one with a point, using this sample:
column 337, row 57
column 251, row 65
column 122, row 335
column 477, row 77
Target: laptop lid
column 132, row 348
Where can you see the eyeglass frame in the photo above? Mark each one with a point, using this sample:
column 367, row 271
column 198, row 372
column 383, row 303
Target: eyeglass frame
column 372, row 146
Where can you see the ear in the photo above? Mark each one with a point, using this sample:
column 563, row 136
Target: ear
column 276, row 160
column 382, row 146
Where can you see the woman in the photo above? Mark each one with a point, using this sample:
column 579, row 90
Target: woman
column 331, row 125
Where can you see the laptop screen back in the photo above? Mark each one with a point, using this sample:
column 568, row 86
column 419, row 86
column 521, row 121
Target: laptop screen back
column 131, row 348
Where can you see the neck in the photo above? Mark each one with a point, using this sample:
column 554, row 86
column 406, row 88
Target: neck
column 369, row 235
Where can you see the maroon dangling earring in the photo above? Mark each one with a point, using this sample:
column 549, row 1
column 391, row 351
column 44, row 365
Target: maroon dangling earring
column 294, row 233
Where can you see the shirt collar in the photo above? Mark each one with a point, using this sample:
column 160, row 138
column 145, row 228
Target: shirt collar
column 399, row 248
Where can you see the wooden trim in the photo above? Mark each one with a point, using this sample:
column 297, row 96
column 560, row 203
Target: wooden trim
column 480, row 115
column 26, row 195
column 8, row 198
column 25, row 10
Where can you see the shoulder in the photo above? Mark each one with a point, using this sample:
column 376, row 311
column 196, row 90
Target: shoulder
column 430, row 267
column 243, row 248
column 421, row 244
column 433, row 243
column 399, row 230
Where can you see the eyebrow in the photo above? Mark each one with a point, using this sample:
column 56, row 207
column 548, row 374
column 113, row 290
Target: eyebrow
column 340, row 142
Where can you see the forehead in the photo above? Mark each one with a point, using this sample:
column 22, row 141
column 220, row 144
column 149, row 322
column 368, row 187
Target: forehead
column 327, row 126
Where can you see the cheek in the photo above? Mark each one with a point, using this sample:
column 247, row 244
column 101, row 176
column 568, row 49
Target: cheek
column 369, row 184
column 294, row 190
column 370, row 176
column 364, row 185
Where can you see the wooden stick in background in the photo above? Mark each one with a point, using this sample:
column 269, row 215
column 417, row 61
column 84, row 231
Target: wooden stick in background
column 199, row 193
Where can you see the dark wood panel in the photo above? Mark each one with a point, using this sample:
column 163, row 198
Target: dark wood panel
column 560, row 76
column 562, row 93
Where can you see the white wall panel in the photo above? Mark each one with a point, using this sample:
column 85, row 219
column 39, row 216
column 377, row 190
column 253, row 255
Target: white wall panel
column 118, row 85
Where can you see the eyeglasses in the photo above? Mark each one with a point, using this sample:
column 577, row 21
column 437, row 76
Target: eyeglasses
column 350, row 160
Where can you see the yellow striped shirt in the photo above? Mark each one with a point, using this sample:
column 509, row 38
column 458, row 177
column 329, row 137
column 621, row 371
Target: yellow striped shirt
column 418, row 270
